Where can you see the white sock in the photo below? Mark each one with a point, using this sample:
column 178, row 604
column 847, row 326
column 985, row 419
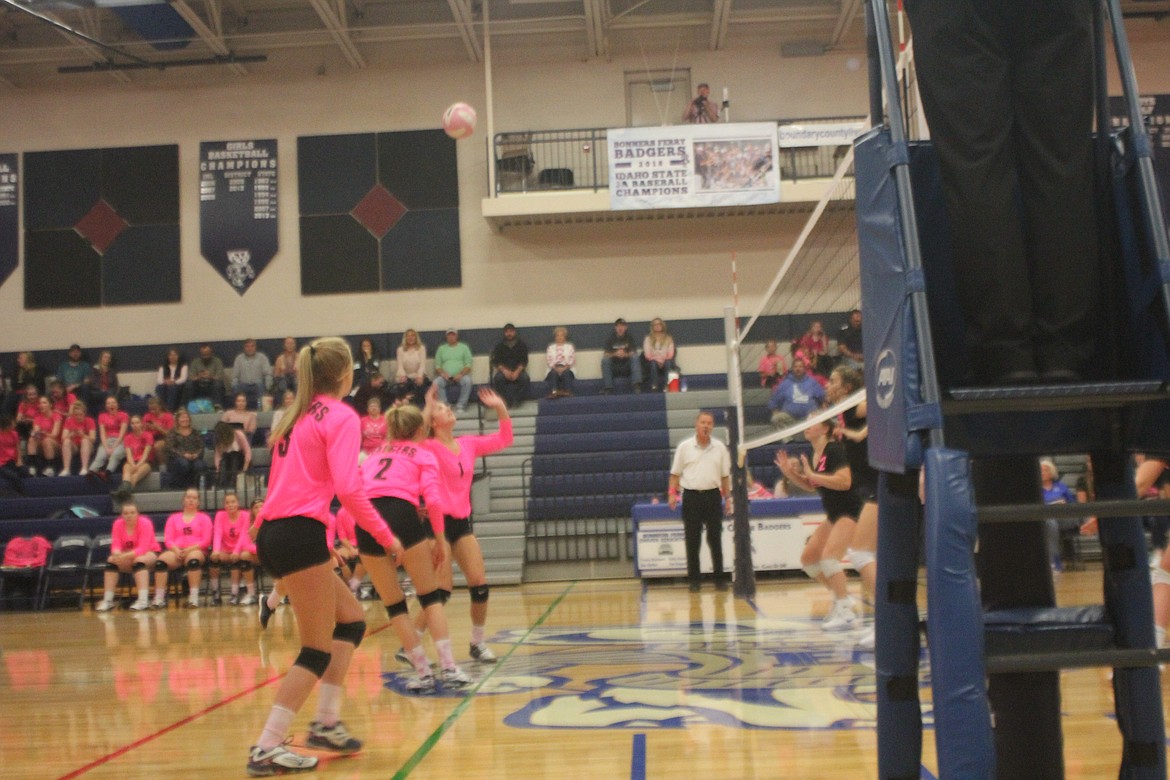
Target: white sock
column 273, row 599
column 275, row 729
column 235, row 588
column 446, row 657
column 418, row 657
column 329, row 704
column 108, row 597
column 477, row 634
column 1159, row 636
column 251, row 588
column 160, row 594
column 194, row 593
column 354, row 583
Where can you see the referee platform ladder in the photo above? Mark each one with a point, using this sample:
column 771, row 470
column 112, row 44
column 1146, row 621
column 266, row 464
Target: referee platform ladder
column 996, row 639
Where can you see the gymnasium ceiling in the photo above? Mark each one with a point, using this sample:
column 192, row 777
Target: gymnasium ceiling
column 209, row 41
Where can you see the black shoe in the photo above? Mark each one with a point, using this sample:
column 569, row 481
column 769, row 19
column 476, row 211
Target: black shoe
column 216, row 599
column 694, row 587
column 265, row 612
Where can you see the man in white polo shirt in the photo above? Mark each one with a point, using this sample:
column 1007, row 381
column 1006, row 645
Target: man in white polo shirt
column 702, row 468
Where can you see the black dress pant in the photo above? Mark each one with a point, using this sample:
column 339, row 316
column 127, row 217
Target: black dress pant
column 703, row 509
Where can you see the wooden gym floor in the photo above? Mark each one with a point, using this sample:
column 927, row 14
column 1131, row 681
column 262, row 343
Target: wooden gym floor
column 600, row 679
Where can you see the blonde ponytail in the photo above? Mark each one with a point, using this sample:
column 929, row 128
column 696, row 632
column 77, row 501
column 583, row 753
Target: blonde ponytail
column 322, row 365
column 403, row 422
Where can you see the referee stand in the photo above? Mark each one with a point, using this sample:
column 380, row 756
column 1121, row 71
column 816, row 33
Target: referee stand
column 996, row 640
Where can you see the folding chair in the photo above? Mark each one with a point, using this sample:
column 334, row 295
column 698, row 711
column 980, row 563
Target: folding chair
column 67, row 561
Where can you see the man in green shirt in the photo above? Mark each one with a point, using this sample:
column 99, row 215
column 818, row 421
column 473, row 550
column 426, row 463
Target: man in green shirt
column 453, row 366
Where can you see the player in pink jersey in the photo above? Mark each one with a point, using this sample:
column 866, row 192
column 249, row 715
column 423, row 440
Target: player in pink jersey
column 230, row 527
column 78, row 434
column 456, row 458
column 315, row 458
column 373, row 428
column 133, row 551
column 45, row 439
column 187, row 541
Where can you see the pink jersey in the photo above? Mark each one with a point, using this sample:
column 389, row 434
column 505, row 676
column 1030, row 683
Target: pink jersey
column 137, row 444
column 46, row 423
column 344, row 527
column 111, row 424
column 406, row 470
column 26, row 410
column 182, row 534
column 141, row 541
column 77, row 429
column 9, row 446
column 373, row 433
column 63, row 404
column 227, row 532
column 456, row 470
column 164, row 421
column 317, row 460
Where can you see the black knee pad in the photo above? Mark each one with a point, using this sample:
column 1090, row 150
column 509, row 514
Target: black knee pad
column 111, row 567
column 479, row 594
column 350, row 632
column 316, row 661
column 160, row 566
column 397, row 608
column 244, row 565
column 138, row 566
column 194, row 564
column 446, row 594
column 434, row 597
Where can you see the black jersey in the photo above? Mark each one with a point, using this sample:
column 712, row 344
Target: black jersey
column 837, row 503
column 864, row 475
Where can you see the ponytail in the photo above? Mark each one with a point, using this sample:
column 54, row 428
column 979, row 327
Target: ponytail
column 403, row 422
column 321, row 367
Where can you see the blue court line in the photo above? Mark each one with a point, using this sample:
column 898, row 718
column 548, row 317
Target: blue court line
column 638, row 759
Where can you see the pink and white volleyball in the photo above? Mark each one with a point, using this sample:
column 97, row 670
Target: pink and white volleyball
column 459, row 120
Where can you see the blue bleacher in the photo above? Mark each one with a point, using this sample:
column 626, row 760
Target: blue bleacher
column 22, row 507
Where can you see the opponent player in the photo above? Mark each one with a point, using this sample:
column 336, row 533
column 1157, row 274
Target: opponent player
column 315, row 457
column 187, row 540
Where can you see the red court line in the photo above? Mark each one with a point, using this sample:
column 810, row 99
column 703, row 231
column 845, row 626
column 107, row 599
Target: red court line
column 180, row 723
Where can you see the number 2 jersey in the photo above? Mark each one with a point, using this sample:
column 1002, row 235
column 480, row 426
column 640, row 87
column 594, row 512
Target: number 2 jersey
column 406, row 470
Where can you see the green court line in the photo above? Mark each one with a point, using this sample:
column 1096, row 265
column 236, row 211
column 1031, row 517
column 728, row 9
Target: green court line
column 446, row 725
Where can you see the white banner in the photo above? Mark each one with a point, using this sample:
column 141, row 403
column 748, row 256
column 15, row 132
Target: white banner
column 684, row 166
column 826, row 134
column 777, row 542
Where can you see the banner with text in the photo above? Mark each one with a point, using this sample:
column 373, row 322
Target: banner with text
column 237, row 208
column 685, row 166
column 9, row 224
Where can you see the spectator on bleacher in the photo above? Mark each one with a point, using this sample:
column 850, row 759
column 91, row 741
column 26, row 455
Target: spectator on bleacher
column 11, row 461
column 1055, row 492
column 819, row 367
column 233, row 454
column 239, row 416
column 102, row 382
column 849, row 341
column 286, row 402
column 73, row 371
column 184, row 452
column 112, row 426
column 26, row 410
column 159, row 422
column 62, row 401
column 560, row 357
column 171, row 379
column 620, row 358
column 44, row 442
column 187, row 541
column 813, row 341
column 410, row 374
column 373, row 429
column 139, row 444
column 453, row 366
column 796, row 395
column 509, row 368
column 772, row 364
column 205, row 377
column 251, row 373
column 284, row 369
column 366, row 363
column 26, row 372
column 658, row 352
column 133, row 551
column 78, row 436
column 378, row 388
column 230, row 526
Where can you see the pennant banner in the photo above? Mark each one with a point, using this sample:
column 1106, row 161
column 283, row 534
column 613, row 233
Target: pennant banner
column 237, row 208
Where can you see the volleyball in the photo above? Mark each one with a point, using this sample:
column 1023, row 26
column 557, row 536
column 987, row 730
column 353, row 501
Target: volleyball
column 459, row 120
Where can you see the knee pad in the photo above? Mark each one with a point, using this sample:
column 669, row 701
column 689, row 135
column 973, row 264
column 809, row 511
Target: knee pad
column 434, row 597
column 316, row 661
column 397, row 608
column 831, row 566
column 861, row 558
column 111, row 567
column 160, row 565
column 479, row 594
column 445, row 593
column 1160, row 576
column 813, row 570
column 244, row 565
column 138, row 566
column 194, row 564
column 350, row 632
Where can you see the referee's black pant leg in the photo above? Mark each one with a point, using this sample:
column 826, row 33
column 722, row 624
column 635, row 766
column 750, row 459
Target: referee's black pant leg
column 714, row 523
column 693, row 536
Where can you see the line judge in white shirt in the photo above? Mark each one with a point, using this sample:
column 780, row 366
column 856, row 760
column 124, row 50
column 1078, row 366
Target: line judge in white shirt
column 702, row 469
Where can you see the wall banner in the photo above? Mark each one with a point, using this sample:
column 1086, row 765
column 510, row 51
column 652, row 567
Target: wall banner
column 237, row 208
column 9, row 222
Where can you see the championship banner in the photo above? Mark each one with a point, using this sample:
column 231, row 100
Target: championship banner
column 685, row 166
column 237, row 208
column 9, row 224
column 1156, row 115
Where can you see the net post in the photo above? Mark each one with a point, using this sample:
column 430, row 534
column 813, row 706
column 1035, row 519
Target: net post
column 745, row 580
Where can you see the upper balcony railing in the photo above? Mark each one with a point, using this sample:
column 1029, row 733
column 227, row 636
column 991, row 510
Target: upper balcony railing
column 547, row 160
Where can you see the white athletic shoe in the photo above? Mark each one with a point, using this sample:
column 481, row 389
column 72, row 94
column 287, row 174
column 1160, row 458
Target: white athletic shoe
column 421, row 686
column 867, row 640
column 482, row 653
column 141, row 605
column 335, row 738
column 456, row 679
column 840, row 618
column 64, row 473
column 247, row 600
column 105, row 606
column 277, row 761
column 48, row 472
column 159, row 604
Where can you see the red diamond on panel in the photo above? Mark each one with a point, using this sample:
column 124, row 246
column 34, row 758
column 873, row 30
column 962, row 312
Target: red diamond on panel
column 101, row 226
column 378, row 211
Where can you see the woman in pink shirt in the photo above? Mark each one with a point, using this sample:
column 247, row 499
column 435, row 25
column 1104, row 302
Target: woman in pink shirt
column 373, row 429
column 187, row 539
column 228, row 549
column 395, row 476
column 112, row 426
column 456, row 458
column 772, row 365
column 158, row 422
column 315, row 458
column 45, row 439
column 139, row 444
column 132, row 551
column 78, row 434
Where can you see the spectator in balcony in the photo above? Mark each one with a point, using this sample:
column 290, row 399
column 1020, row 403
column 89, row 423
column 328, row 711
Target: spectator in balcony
column 772, row 364
column 620, row 358
column 411, row 372
column 702, row 110
column 78, row 436
column 453, row 367
column 658, row 352
column 796, row 396
column 171, row 379
column 849, row 341
column 366, row 363
column 509, row 368
column 561, row 358
column 284, row 369
column 251, row 373
column 102, row 383
column 239, row 416
column 159, row 422
column 45, row 440
column 73, row 371
column 206, row 377
column 184, row 452
column 112, row 426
